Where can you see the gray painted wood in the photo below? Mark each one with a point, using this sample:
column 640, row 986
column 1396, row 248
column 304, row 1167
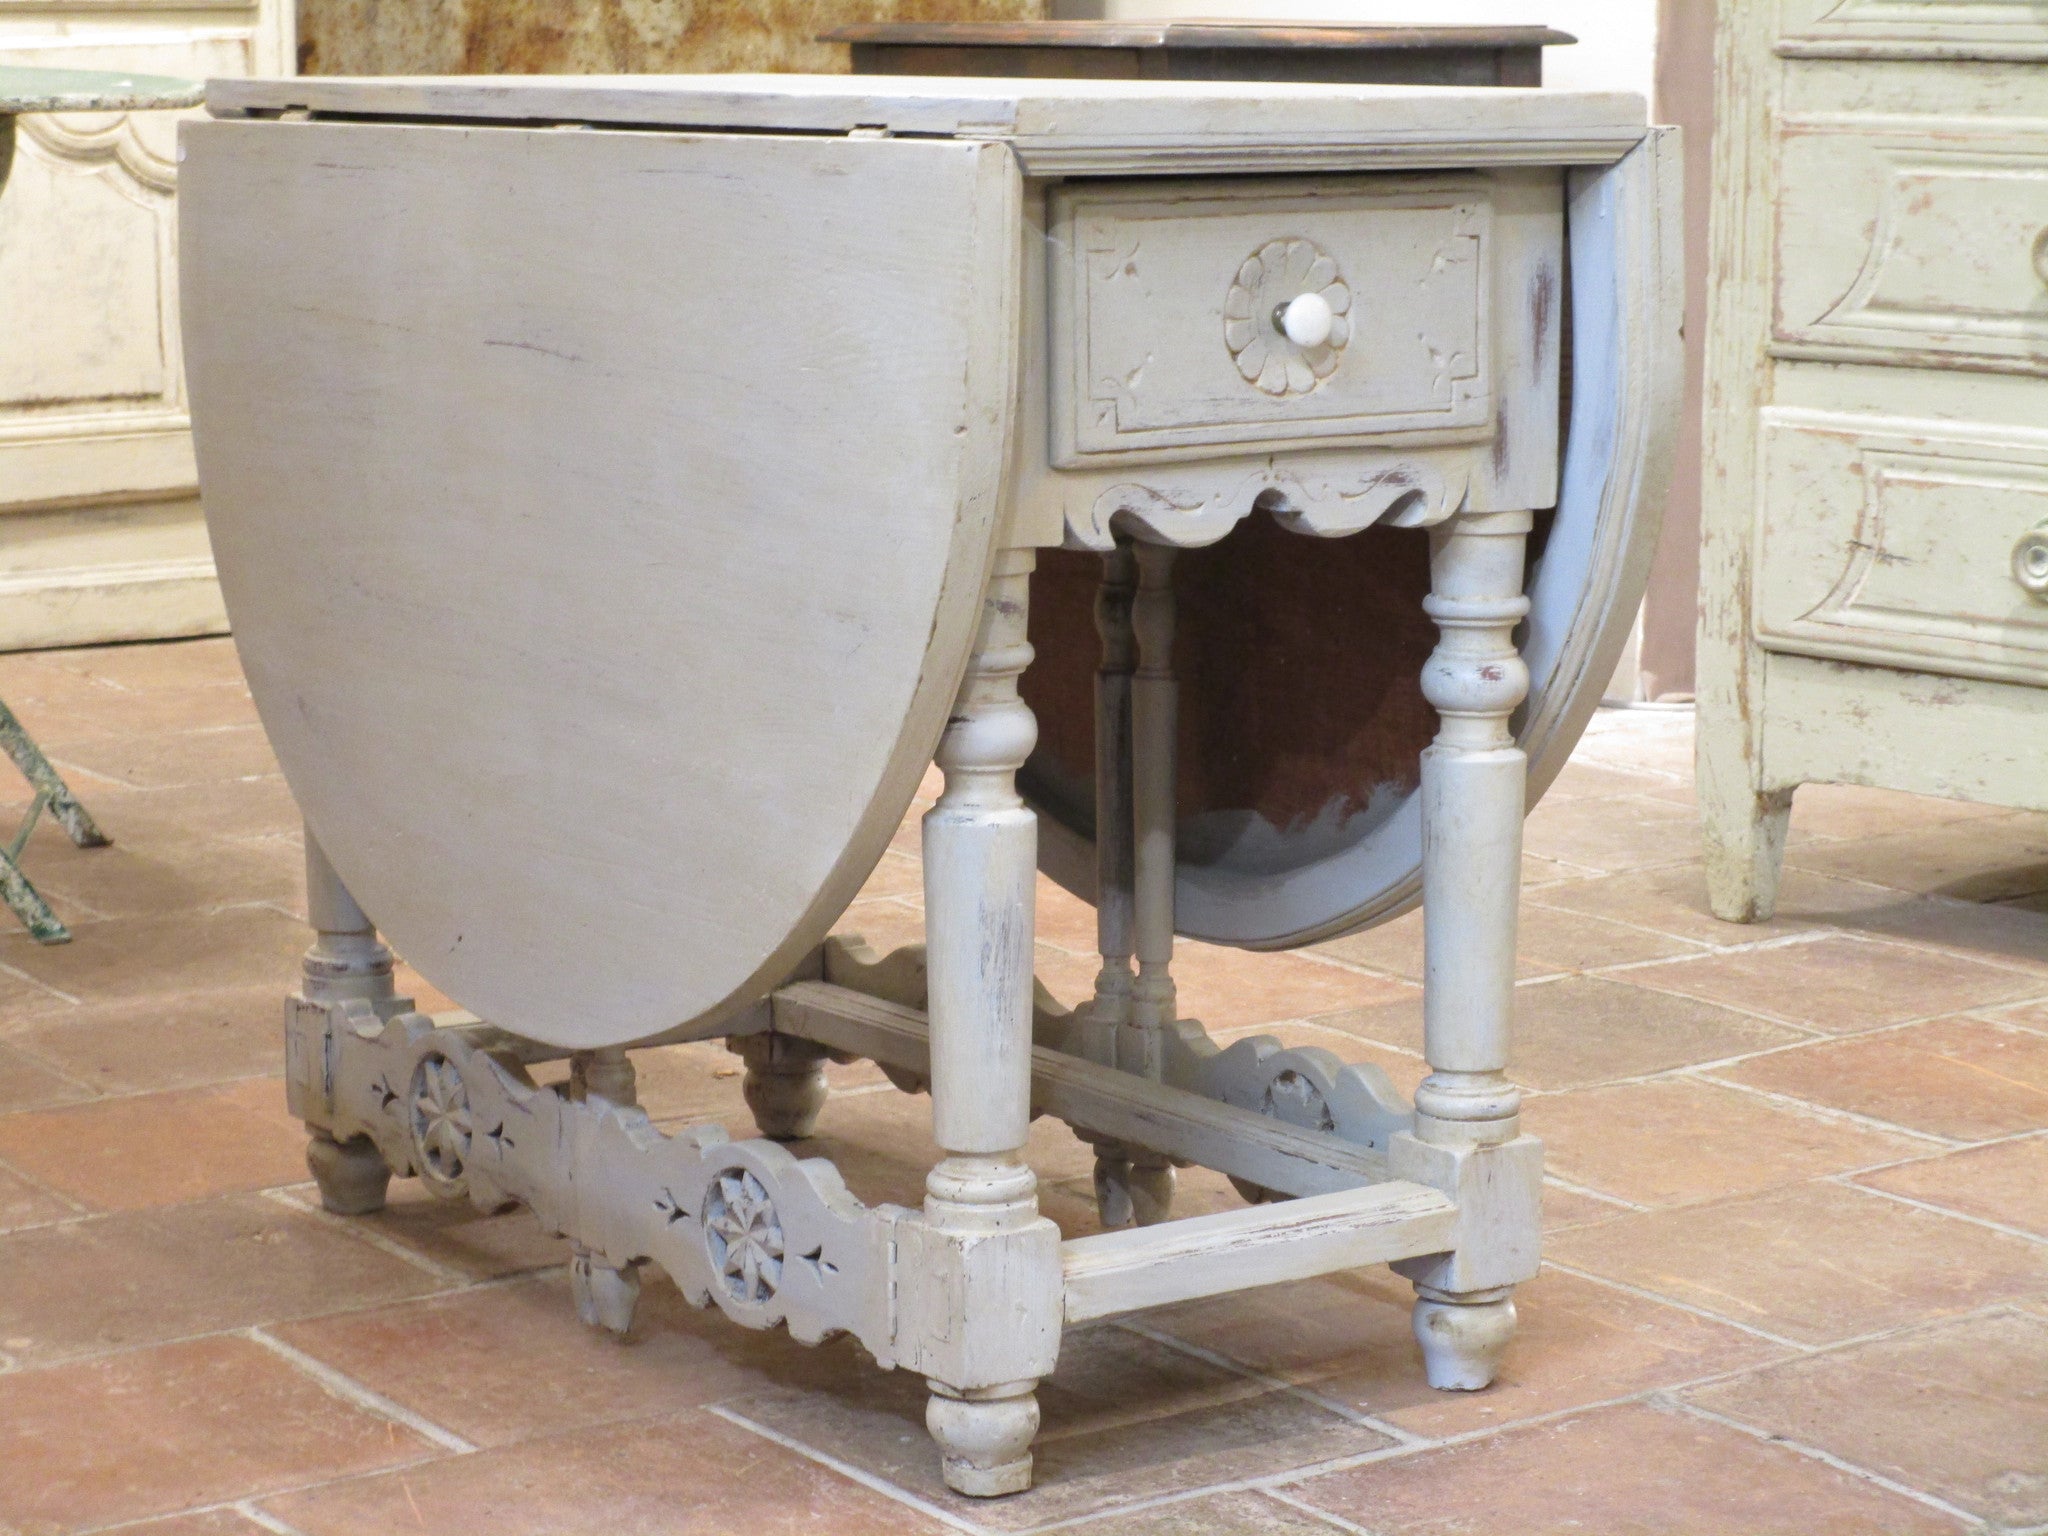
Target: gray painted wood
column 602, row 631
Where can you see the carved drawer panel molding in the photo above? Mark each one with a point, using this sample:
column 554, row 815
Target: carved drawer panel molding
column 1904, row 543
column 1914, row 240
column 1913, row 29
column 1167, row 302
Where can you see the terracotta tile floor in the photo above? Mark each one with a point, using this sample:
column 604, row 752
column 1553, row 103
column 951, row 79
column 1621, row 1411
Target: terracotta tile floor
column 1798, row 1257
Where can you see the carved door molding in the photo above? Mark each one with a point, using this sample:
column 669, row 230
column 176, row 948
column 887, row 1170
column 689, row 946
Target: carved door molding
column 101, row 535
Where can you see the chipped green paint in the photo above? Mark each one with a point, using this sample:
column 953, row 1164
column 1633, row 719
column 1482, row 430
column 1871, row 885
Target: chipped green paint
column 24, row 89
column 54, row 795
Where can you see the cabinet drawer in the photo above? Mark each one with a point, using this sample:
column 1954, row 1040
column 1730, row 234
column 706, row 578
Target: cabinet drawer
column 1165, row 300
column 1901, row 543
column 1912, row 29
column 1914, row 240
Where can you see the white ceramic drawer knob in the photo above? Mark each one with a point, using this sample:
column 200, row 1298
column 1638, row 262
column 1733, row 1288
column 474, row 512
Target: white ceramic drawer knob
column 1307, row 320
column 2030, row 562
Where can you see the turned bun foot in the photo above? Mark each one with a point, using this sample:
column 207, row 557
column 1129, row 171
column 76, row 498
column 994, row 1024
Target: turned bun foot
column 985, row 1438
column 351, row 1174
column 605, row 1297
column 1462, row 1340
column 785, row 1086
column 1133, row 1192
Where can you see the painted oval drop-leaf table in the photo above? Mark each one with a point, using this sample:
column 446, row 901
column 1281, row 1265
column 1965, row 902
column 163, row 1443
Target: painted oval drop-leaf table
column 623, row 489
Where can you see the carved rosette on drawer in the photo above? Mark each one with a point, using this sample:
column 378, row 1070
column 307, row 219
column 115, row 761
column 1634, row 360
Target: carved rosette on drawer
column 1280, row 272
column 1910, row 547
column 1914, row 240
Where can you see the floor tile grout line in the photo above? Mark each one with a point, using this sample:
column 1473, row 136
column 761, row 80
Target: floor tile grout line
column 1244, row 1388
column 1936, row 1154
column 847, row 1469
column 1293, row 1389
column 1587, row 1192
column 1141, row 1505
column 1803, row 1350
column 1683, row 1069
column 40, row 985
column 79, row 1209
column 1937, row 1210
column 1936, row 1141
column 349, row 1390
column 1709, row 950
column 255, row 1514
column 118, row 1096
column 1992, row 959
column 1272, row 1484
column 1672, row 1301
column 245, row 1507
column 363, row 1233
column 1336, row 1522
column 1989, row 1015
column 1821, row 928
column 1309, row 1021
column 1313, row 1470
column 1827, row 1458
column 235, row 1330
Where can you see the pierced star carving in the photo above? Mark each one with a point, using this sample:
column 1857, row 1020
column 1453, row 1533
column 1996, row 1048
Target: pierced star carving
column 440, row 1120
column 744, row 1235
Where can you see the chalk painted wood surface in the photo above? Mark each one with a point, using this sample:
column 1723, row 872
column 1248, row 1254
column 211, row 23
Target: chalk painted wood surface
column 1138, row 268
column 604, row 692
column 780, row 596
column 1875, row 550
column 1056, row 127
column 1275, row 884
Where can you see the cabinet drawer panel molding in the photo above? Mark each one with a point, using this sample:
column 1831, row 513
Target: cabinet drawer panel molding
column 1900, row 544
column 1947, row 264
column 1913, row 29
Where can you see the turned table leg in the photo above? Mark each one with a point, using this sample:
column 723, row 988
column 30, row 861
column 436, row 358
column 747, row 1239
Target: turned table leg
column 605, row 1295
column 981, row 1203
column 1129, row 1012
column 1466, row 1110
column 347, row 960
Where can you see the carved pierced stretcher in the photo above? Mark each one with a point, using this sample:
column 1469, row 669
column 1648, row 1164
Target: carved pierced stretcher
column 685, row 449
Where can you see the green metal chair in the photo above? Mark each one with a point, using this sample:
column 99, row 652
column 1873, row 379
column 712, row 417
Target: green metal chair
column 53, row 795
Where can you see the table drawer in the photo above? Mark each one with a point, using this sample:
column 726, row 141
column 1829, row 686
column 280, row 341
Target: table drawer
column 1165, row 301
column 1914, row 240
column 1905, row 544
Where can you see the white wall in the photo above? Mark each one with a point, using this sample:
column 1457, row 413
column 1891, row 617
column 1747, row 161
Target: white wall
column 1616, row 48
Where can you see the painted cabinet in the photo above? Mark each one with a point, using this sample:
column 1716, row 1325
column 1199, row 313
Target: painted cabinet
column 101, row 536
column 1875, row 561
